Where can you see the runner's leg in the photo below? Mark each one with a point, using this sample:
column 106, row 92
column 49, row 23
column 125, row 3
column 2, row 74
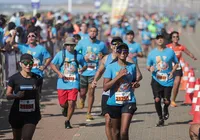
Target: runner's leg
column 28, row 131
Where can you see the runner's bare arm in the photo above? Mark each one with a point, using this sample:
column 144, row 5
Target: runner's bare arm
column 138, row 73
column 100, row 70
column 54, row 68
column 47, row 62
column 108, row 83
column 189, row 54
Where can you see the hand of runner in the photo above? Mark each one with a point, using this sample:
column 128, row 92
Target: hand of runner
column 60, row 75
column 87, row 58
column 41, row 68
column 94, row 84
column 152, row 69
column 170, row 75
column 122, row 72
column 194, row 58
column 19, row 94
column 135, row 85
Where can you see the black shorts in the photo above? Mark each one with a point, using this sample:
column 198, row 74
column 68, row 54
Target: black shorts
column 104, row 106
column 160, row 91
column 178, row 73
column 17, row 121
column 85, row 81
column 115, row 112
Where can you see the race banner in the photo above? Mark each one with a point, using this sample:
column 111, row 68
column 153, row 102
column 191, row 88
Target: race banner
column 119, row 8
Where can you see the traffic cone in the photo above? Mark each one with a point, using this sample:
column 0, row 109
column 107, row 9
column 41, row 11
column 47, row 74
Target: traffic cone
column 196, row 117
column 190, row 88
column 185, row 77
column 195, row 96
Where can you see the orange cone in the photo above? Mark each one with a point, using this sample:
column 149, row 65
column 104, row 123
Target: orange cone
column 196, row 117
column 185, row 77
column 190, row 88
column 195, row 96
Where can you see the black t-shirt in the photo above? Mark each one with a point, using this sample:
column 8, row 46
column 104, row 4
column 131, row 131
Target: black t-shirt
column 30, row 102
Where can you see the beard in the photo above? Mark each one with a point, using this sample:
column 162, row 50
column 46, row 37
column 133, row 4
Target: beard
column 93, row 38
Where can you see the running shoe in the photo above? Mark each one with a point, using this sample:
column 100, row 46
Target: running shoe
column 68, row 125
column 64, row 112
column 160, row 123
column 81, row 104
column 173, row 104
column 89, row 117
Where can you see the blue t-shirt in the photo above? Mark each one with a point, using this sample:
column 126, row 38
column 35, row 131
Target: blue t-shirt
column 146, row 37
column 134, row 48
column 1, row 36
column 69, row 69
column 92, row 50
column 162, row 61
column 108, row 60
column 39, row 54
column 121, row 89
column 118, row 32
column 83, row 36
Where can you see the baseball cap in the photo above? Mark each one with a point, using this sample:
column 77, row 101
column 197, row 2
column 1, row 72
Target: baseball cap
column 26, row 56
column 116, row 39
column 122, row 46
column 130, row 32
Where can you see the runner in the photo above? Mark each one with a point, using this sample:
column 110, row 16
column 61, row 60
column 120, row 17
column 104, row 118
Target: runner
column 68, row 81
column 135, row 49
column 93, row 51
column 104, row 63
column 83, row 33
column 146, row 41
column 159, row 63
column 178, row 49
column 39, row 53
column 23, row 88
column 120, row 79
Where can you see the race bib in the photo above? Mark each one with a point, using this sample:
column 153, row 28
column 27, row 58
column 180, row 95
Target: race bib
column 36, row 63
column 91, row 66
column 122, row 97
column 70, row 78
column 27, row 105
column 162, row 76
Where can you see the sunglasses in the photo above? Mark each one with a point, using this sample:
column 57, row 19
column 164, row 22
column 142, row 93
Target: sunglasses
column 115, row 43
column 26, row 63
column 31, row 36
column 123, row 51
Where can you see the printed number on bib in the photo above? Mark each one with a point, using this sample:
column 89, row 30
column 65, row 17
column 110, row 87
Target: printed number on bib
column 121, row 97
column 162, row 76
column 92, row 66
column 27, row 105
column 70, row 77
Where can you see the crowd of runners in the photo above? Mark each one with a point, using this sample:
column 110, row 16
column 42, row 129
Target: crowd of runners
column 81, row 49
